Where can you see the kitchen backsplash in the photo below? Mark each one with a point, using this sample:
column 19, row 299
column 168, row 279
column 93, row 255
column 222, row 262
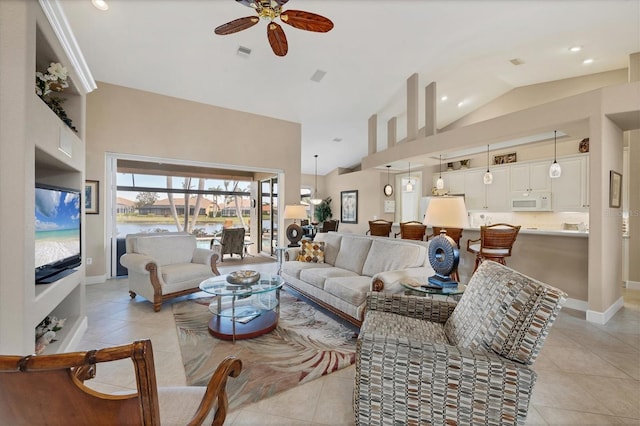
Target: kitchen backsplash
column 540, row 220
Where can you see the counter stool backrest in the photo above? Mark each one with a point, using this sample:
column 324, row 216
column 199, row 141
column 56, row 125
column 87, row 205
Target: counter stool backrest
column 379, row 228
column 499, row 236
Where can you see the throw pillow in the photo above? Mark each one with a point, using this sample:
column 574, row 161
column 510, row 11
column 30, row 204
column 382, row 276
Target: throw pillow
column 311, row 251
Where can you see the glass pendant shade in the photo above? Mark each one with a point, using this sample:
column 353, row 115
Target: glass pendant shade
column 315, row 200
column 488, row 176
column 409, row 187
column 440, row 181
column 555, row 171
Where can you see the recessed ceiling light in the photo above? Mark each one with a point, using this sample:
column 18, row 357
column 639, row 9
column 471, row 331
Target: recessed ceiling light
column 588, row 61
column 461, row 104
column 100, row 4
column 575, row 48
column 444, row 98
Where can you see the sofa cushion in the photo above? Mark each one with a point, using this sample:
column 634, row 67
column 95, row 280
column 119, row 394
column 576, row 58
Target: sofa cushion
column 350, row 289
column 498, row 308
column 352, row 254
column 404, row 255
column 403, row 327
column 331, row 242
column 182, row 272
column 294, row 267
column 166, row 248
column 311, row 251
column 317, row 276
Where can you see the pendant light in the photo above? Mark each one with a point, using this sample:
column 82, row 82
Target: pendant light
column 440, row 181
column 409, row 187
column 388, row 189
column 488, row 176
column 555, row 171
column 315, row 200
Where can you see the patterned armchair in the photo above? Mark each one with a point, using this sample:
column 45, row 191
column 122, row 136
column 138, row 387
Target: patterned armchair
column 424, row 361
column 232, row 242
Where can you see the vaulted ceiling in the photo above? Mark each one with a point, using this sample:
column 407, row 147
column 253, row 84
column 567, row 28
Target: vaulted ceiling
column 467, row 47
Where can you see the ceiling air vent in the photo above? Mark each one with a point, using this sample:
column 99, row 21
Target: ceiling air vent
column 516, row 61
column 245, row 52
column 318, row 75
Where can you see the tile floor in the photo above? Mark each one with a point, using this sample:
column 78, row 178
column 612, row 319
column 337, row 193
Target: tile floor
column 587, row 373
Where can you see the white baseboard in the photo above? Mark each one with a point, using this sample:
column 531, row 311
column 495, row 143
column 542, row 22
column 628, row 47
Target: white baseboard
column 77, row 335
column 96, row 279
column 632, row 285
column 577, row 304
column 604, row 317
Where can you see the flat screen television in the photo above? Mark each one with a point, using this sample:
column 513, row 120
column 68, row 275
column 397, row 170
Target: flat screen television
column 57, row 239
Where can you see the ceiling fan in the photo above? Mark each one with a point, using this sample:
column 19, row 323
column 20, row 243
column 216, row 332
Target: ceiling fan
column 272, row 9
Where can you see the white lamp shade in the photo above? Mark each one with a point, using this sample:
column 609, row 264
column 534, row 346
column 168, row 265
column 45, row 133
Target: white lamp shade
column 440, row 183
column 447, row 212
column 295, row 211
column 555, row 171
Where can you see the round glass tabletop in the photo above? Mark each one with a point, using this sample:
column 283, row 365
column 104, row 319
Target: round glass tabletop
column 219, row 286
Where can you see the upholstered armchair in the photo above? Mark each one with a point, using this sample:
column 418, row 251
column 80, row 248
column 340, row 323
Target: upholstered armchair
column 426, row 361
column 232, row 242
column 166, row 265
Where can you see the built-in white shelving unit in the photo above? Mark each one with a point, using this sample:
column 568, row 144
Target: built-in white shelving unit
column 37, row 147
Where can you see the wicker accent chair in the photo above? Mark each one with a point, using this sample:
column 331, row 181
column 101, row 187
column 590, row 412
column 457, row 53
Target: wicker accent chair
column 426, row 361
column 379, row 228
column 412, row 230
column 232, row 242
column 50, row 389
column 495, row 243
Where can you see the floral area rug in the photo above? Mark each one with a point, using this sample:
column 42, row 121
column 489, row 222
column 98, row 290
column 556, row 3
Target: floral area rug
column 307, row 344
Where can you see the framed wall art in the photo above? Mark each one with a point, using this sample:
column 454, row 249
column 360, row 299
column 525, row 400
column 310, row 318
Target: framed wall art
column 615, row 189
column 91, row 193
column 349, row 206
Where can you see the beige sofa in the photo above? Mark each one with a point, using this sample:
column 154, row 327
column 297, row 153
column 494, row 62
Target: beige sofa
column 166, row 265
column 353, row 265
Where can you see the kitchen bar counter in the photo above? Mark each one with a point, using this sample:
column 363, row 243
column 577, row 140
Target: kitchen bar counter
column 547, row 232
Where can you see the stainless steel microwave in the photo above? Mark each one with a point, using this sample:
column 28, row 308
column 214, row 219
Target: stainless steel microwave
column 532, row 202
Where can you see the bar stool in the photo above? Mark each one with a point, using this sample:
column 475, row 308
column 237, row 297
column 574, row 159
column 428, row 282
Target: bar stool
column 412, row 230
column 379, row 228
column 454, row 233
column 495, row 243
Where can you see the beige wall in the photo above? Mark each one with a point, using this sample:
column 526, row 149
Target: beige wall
column 128, row 121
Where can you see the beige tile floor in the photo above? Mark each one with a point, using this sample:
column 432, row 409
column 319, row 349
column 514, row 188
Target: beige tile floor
column 588, row 374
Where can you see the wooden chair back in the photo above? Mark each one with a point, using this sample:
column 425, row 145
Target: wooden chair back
column 499, row 236
column 380, row 228
column 330, row 225
column 454, row 233
column 49, row 389
column 412, row 230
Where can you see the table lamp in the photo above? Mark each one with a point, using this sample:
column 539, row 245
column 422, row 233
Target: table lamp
column 444, row 255
column 294, row 231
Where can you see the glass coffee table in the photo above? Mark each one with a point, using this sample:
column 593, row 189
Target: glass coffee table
column 243, row 311
column 420, row 287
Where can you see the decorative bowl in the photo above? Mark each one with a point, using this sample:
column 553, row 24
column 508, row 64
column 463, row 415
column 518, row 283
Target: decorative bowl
column 243, row 277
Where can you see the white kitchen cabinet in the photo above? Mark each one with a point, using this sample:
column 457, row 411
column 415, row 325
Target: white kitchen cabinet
column 474, row 190
column 570, row 191
column 527, row 177
column 498, row 194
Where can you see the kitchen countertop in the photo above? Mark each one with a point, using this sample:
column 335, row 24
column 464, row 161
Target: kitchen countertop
column 547, row 232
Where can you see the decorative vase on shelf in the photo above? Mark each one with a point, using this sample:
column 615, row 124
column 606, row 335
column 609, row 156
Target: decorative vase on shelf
column 54, row 80
column 464, row 164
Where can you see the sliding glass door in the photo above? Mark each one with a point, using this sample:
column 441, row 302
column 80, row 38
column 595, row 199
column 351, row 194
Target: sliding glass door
column 269, row 216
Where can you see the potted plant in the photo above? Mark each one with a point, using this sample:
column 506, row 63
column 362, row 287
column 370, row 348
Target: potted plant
column 54, row 80
column 323, row 210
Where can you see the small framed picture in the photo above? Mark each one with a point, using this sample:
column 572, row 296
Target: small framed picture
column 615, row 189
column 91, row 197
column 349, row 206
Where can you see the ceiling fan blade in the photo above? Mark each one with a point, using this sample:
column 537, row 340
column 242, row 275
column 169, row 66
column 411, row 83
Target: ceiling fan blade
column 277, row 39
column 306, row 21
column 237, row 25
